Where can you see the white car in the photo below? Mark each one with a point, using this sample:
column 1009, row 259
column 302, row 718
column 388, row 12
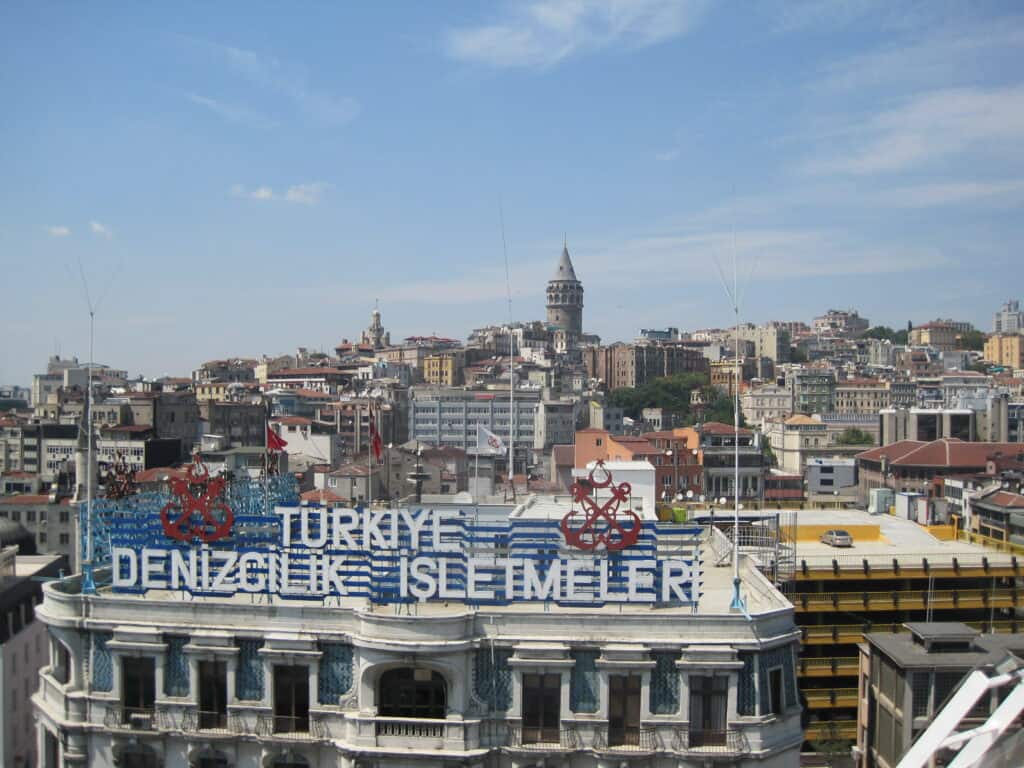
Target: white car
column 837, row 538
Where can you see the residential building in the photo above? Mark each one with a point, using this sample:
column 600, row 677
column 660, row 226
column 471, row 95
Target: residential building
column 867, row 396
column 906, row 678
column 444, row 368
column 324, row 379
column 603, row 416
column 240, row 423
column 513, row 672
column 308, row 441
column 239, row 370
column 813, row 390
column 660, row 334
column 940, row 336
column 914, row 465
column 766, row 402
column 1009, row 318
column 1006, row 349
column 565, row 297
column 554, row 423
column 723, row 374
column 623, row 365
column 768, row 340
column 847, row 324
column 23, row 642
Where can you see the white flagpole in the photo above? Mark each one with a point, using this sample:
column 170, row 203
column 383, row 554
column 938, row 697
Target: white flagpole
column 369, row 458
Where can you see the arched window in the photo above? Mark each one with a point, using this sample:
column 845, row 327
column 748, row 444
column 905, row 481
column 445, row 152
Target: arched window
column 409, row 692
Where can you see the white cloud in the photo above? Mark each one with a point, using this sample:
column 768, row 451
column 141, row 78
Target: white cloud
column 668, row 155
column 305, row 194
column 1004, row 193
column 231, row 112
column 100, row 229
column 290, row 81
column 58, row 230
column 544, row 32
column 928, row 127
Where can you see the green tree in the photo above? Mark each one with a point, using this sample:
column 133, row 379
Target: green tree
column 669, row 392
column 854, row 436
column 974, row 340
column 797, row 355
column 880, row 332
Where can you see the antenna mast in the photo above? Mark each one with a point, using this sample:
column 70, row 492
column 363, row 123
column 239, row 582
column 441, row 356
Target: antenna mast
column 511, row 363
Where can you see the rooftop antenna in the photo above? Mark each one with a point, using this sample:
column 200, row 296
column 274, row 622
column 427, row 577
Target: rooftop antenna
column 511, row 361
column 738, row 603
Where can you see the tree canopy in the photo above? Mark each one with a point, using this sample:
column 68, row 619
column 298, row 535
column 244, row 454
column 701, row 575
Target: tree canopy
column 673, row 394
column 854, row 436
column 886, row 333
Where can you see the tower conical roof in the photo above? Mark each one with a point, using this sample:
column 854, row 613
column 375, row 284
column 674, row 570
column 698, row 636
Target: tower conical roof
column 565, row 270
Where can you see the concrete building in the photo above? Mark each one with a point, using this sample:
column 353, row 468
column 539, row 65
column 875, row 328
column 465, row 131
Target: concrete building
column 847, row 324
column 813, row 390
column 448, row 417
column 623, row 365
column 1009, row 318
column 769, row 341
column 833, row 477
column 716, row 443
column 554, row 423
column 940, row 336
column 896, row 572
column 309, row 441
column 906, row 678
column 867, row 396
column 240, row 370
column 1006, row 349
column 766, row 402
column 240, row 423
column 565, row 297
column 23, row 643
column 444, row 368
column 507, row 674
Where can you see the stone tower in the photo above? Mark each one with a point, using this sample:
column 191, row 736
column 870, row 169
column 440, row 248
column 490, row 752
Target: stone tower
column 565, row 297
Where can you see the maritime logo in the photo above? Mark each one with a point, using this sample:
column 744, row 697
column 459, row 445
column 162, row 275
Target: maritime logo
column 494, row 442
column 601, row 526
column 197, row 511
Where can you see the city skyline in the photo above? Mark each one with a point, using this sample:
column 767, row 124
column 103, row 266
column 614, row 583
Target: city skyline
column 848, row 154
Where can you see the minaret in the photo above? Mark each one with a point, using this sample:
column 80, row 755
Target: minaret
column 565, row 297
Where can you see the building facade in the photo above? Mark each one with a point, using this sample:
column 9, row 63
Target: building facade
column 1006, row 349
column 184, row 677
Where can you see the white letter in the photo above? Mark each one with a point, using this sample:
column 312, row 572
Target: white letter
column 573, row 579
column 286, row 524
column 639, row 578
column 424, row 584
column 321, row 537
column 258, row 562
column 133, row 567
column 440, row 529
column 476, row 579
column 179, row 569
column 151, row 569
column 673, row 587
column 546, row 590
column 343, row 530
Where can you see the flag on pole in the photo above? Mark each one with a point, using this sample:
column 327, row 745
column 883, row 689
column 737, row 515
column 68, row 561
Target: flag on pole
column 274, row 441
column 487, row 442
column 375, row 442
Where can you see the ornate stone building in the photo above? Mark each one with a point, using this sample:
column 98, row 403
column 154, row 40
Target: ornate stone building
column 565, row 297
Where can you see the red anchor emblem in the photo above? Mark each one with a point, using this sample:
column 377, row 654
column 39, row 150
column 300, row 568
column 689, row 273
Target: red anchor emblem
column 601, row 525
column 198, row 498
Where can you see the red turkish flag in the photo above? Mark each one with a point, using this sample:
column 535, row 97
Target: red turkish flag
column 274, row 440
column 375, row 442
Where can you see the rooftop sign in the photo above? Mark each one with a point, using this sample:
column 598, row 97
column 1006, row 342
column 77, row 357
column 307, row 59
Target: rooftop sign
column 597, row 554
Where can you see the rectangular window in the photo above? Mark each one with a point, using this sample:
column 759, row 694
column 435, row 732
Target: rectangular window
column 213, row 694
column 138, row 687
column 709, row 697
column 623, row 710
column 291, row 699
column 775, row 691
column 542, row 698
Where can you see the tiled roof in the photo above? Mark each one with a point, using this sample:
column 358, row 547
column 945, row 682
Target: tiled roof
column 323, row 496
column 158, row 474
column 1006, row 499
column 947, row 452
column 805, row 421
column 718, row 428
column 296, row 421
column 25, row 498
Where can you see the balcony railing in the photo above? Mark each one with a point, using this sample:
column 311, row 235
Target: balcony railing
column 628, row 740
column 131, row 718
column 831, row 697
column 812, row 667
column 831, row 730
column 727, row 741
column 290, row 727
column 203, row 721
column 410, row 727
column 543, row 739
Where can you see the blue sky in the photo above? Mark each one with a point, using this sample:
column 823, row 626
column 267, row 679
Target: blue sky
column 238, row 179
